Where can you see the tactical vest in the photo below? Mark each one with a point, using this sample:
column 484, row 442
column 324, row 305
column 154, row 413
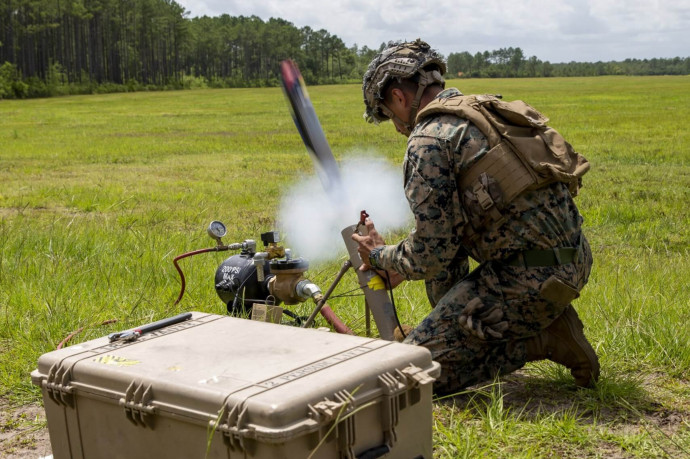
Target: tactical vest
column 525, row 154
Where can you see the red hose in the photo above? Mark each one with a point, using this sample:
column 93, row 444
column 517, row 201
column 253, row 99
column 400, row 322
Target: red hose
column 335, row 321
column 326, row 312
column 185, row 255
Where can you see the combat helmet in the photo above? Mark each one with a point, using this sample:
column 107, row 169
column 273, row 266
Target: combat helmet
column 400, row 60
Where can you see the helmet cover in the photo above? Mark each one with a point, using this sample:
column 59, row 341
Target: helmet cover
column 399, row 60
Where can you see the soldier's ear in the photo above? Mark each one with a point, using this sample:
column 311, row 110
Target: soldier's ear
column 399, row 98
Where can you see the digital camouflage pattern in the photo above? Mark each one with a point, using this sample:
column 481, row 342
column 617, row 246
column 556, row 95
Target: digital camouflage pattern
column 440, row 147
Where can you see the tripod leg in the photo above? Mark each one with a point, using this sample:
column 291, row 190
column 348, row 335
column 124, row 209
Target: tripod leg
column 324, row 298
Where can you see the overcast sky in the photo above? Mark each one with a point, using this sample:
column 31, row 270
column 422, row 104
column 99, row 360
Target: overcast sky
column 552, row 30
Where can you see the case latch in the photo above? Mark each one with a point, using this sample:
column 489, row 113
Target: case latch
column 57, row 385
column 137, row 405
column 327, row 410
column 233, row 418
column 393, row 395
column 340, row 411
column 416, row 376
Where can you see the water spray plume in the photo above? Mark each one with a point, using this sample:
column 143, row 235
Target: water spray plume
column 312, row 223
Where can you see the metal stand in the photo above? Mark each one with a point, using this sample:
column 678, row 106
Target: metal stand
column 347, row 265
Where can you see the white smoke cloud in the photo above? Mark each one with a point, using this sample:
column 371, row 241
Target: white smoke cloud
column 311, row 223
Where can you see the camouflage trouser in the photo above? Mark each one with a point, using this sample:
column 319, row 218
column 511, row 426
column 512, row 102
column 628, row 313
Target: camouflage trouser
column 466, row 359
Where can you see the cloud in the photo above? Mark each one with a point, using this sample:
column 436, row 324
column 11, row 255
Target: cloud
column 580, row 21
column 553, row 30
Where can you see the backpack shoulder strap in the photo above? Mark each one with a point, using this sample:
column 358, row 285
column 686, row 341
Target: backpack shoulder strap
column 466, row 107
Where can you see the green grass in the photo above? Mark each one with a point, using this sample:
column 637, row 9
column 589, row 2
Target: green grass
column 100, row 193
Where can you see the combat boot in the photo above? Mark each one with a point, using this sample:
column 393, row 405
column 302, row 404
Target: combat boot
column 564, row 342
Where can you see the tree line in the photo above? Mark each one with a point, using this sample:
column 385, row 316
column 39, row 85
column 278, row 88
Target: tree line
column 53, row 47
column 511, row 63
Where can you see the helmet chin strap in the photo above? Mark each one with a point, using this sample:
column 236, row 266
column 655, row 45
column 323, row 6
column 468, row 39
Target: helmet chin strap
column 392, row 116
column 406, row 127
column 426, row 78
column 414, row 107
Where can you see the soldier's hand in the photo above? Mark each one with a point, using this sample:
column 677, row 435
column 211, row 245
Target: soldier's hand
column 368, row 242
column 482, row 321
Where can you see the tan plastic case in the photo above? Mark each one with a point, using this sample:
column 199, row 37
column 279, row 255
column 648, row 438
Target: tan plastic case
column 220, row 387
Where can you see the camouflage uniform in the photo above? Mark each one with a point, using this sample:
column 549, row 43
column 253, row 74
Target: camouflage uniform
column 440, row 147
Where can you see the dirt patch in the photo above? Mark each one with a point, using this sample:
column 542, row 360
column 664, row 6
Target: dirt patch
column 23, row 432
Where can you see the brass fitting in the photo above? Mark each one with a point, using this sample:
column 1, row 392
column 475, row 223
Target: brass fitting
column 275, row 251
column 284, row 285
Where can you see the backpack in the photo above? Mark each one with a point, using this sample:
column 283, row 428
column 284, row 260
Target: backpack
column 525, row 154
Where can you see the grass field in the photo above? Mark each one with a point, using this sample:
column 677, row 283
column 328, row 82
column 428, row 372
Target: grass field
column 100, row 193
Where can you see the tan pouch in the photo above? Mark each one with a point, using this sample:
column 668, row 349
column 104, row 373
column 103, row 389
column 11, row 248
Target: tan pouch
column 557, row 290
column 267, row 313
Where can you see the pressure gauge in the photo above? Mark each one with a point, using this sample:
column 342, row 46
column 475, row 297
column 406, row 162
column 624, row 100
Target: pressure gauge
column 216, row 230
